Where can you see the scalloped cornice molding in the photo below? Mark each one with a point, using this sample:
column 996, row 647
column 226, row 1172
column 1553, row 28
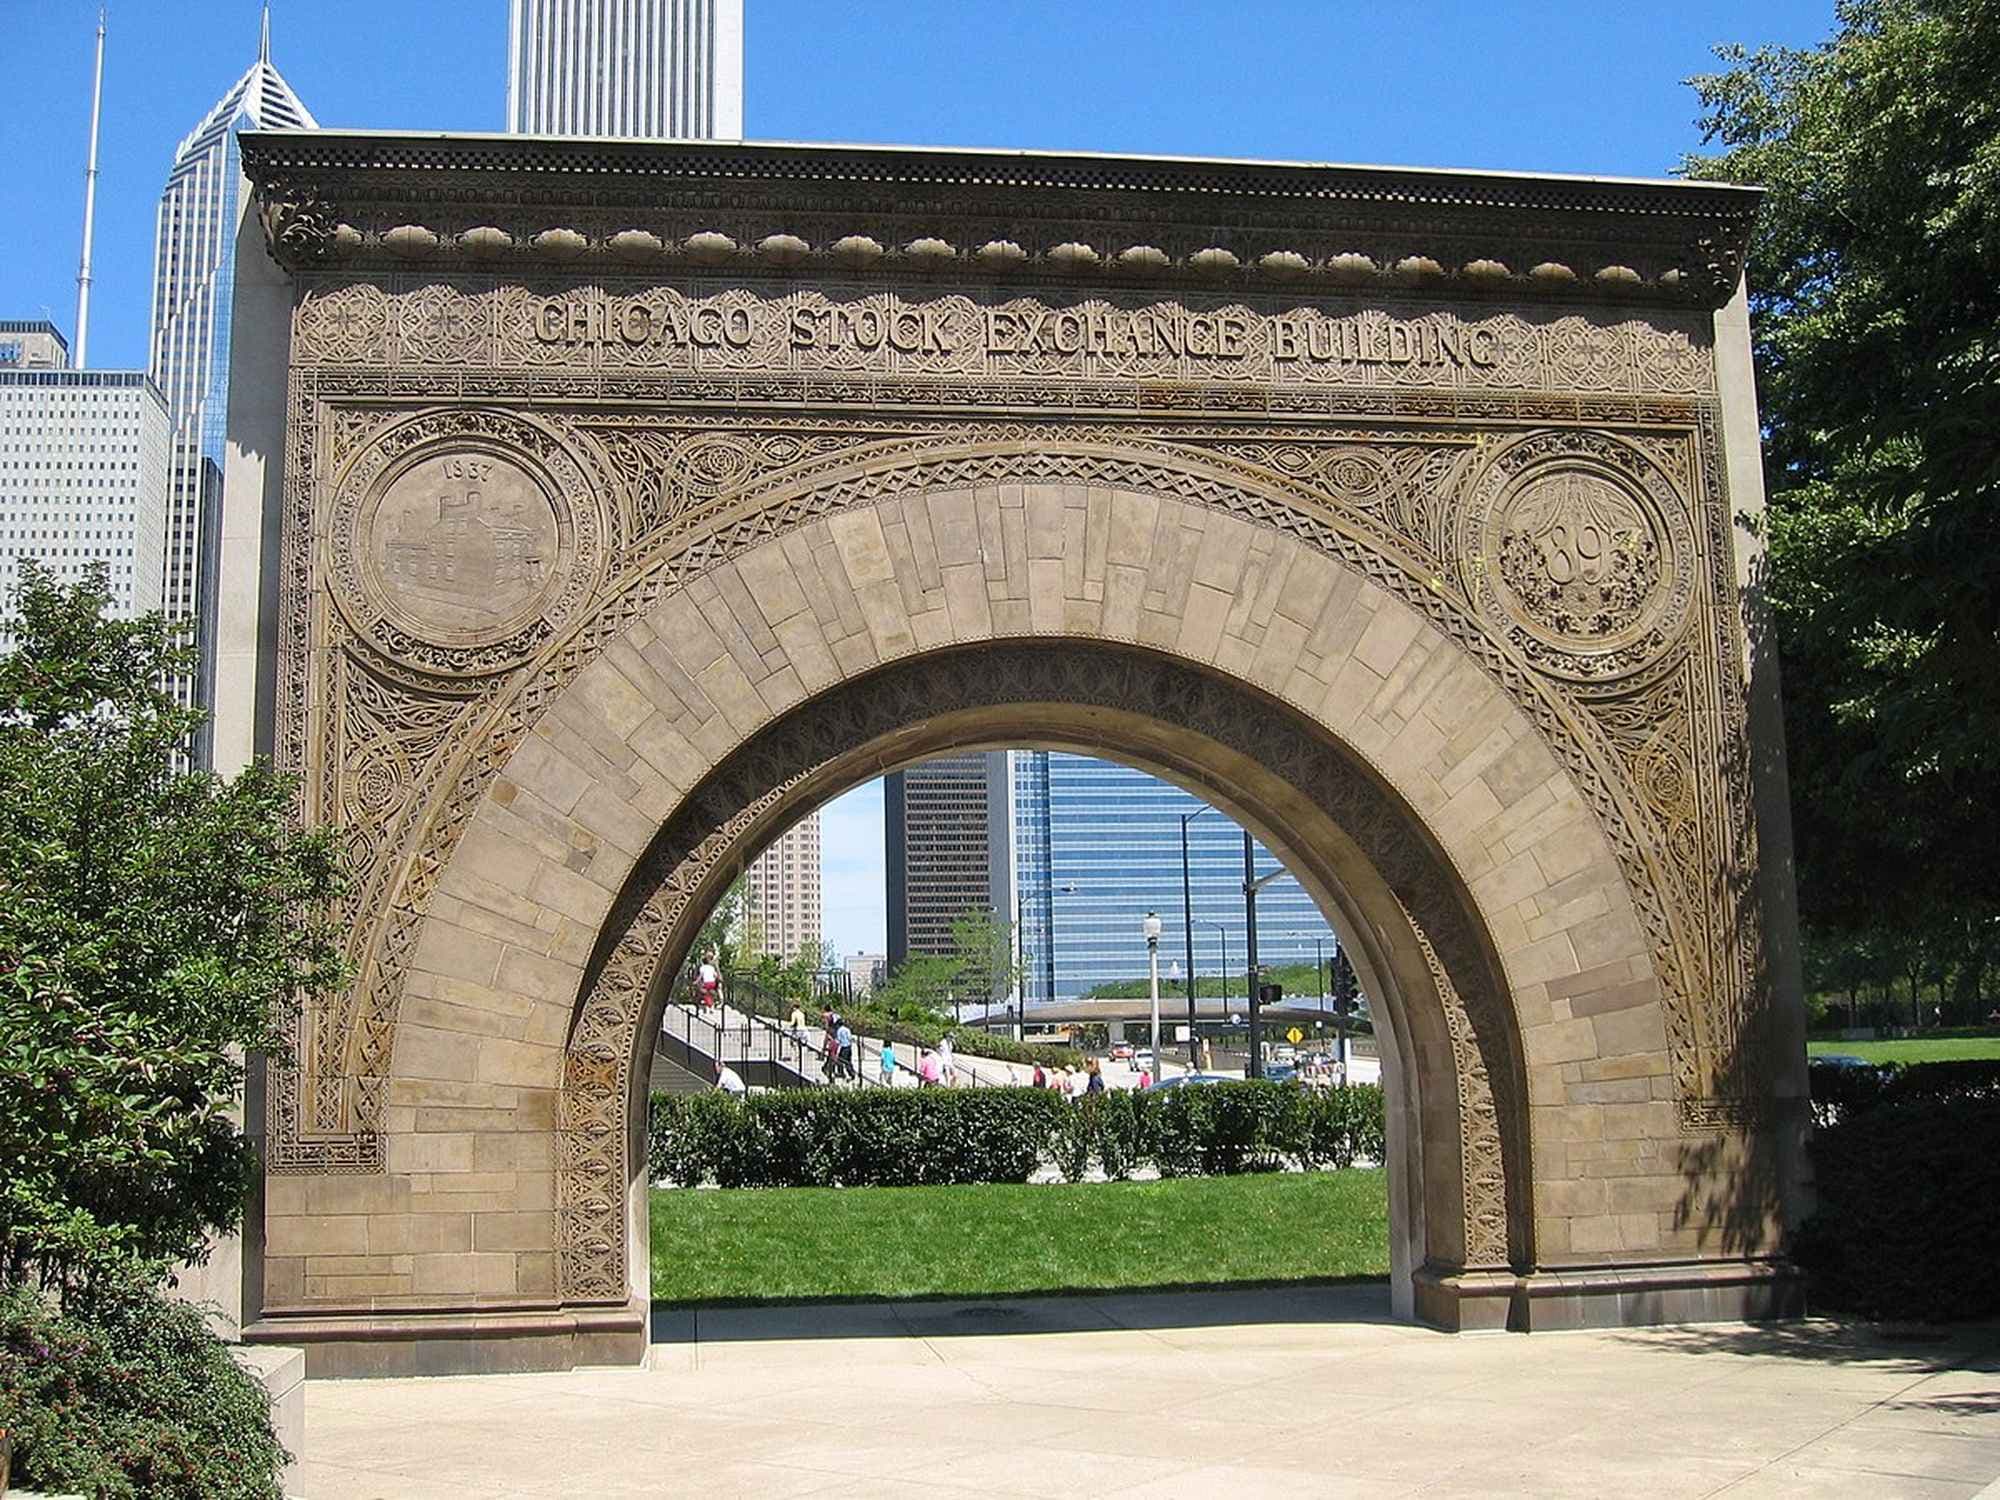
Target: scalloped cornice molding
column 369, row 200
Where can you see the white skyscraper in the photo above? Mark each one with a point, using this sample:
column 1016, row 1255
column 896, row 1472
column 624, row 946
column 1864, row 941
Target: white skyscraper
column 83, row 471
column 626, row 68
column 194, row 251
column 781, row 892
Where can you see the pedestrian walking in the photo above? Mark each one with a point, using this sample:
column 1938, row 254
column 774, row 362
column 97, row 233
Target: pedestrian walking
column 844, row 1039
column 708, row 982
column 1145, row 1078
column 946, row 1072
column 1041, row 1078
column 927, row 1070
column 886, row 1061
column 1207, row 1056
column 797, row 1021
column 1094, row 1080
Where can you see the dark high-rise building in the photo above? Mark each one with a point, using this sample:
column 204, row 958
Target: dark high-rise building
column 941, row 818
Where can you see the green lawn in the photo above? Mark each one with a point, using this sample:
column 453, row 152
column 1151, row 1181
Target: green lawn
column 754, row 1244
column 1915, row 1049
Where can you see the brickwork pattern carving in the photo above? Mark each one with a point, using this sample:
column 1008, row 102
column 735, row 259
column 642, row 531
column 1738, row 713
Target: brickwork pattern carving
column 1688, row 1038
column 1482, row 1171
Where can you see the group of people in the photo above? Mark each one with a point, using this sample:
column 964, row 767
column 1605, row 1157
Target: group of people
column 843, row 1059
column 1075, row 1083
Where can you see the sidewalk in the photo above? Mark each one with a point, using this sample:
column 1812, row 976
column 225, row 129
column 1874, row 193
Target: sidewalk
column 1310, row 1392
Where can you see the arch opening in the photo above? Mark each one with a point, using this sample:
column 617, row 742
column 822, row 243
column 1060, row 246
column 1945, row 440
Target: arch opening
column 1458, row 1134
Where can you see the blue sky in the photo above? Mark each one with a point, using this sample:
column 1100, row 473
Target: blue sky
column 1559, row 87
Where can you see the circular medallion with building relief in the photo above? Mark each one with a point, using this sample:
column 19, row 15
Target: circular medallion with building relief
column 461, row 540
column 1580, row 551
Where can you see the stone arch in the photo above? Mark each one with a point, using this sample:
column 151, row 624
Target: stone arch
column 1363, row 853
column 637, row 729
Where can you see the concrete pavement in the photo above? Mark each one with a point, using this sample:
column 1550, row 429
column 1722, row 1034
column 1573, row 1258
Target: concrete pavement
column 1309, row 1392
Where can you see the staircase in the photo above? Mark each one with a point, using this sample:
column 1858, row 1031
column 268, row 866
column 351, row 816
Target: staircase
column 763, row 1054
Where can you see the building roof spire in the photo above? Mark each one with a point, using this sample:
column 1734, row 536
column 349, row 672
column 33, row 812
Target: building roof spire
column 264, row 41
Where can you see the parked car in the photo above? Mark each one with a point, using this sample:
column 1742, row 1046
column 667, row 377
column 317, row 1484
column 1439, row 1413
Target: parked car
column 1183, row 1080
column 1839, row 1060
column 1281, row 1073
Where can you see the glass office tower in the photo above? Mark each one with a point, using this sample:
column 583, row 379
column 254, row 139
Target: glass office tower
column 1097, row 845
column 194, row 259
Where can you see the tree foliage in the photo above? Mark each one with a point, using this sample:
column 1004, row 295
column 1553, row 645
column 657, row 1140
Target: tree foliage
column 155, row 923
column 979, row 969
column 1875, row 287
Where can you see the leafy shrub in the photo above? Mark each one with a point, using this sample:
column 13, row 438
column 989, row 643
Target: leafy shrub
column 1838, row 1092
column 131, row 1395
column 155, row 925
column 859, row 1138
column 895, row 1137
column 1219, row 1130
column 1116, row 1121
column 1337, row 1126
column 1909, row 1211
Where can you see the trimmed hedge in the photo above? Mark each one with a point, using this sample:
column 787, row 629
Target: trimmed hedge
column 131, row 1397
column 902, row 1137
column 1838, row 1092
column 1908, row 1211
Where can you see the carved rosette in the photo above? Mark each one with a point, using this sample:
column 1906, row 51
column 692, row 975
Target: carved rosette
column 1578, row 550
column 462, row 540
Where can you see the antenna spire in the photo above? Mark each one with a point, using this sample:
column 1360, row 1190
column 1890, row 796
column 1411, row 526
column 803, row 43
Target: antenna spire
column 89, row 206
column 264, row 41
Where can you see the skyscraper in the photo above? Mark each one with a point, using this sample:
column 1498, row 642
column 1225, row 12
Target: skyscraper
column 626, row 68
column 1097, row 845
column 946, row 848
column 781, row 894
column 83, row 471
column 194, row 250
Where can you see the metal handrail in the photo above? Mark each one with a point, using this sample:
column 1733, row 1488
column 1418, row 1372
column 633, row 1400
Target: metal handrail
column 746, row 1007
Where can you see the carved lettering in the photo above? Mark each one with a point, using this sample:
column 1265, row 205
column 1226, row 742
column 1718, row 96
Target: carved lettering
column 1025, row 332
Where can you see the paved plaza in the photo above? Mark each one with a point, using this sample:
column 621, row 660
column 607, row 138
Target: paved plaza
column 1292, row 1393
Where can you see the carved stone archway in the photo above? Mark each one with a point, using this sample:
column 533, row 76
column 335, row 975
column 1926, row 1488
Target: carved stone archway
column 616, row 516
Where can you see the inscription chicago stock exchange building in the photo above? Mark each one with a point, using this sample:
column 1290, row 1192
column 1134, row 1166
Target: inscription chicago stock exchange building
column 1022, row 330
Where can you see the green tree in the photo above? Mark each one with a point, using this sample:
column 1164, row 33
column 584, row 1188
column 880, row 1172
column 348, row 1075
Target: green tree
column 984, row 948
column 1874, row 279
column 155, row 923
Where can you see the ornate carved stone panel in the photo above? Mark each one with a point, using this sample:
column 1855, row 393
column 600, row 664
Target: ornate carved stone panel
column 1612, row 511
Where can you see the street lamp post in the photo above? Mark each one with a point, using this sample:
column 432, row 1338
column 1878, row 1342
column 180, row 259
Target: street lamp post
column 1187, row 918
column 1151, row 927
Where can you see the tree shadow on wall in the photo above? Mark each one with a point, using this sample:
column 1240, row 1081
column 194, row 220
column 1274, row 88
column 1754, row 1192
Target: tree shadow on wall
column 1746, row 1176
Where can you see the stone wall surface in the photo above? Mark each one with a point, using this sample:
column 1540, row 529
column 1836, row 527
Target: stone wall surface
column 588, row 580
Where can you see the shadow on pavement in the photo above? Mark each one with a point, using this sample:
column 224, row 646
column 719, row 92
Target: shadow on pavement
column 1827, row 1341
column 987, row 1317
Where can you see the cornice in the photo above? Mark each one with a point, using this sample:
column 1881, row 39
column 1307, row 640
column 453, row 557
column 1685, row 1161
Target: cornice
column 373, row 200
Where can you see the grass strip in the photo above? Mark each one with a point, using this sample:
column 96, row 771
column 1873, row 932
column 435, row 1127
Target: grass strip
column 784, row 1244
column 1914, row 1049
